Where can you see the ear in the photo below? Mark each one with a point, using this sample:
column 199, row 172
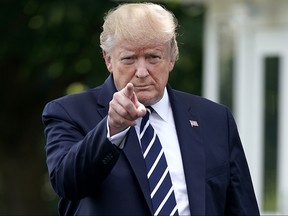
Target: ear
column 171, row 65
column 107, row 59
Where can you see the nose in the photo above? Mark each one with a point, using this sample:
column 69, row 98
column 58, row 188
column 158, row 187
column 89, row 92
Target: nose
column 141, row 69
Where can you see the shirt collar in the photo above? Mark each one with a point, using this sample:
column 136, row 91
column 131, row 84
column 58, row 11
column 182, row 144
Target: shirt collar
column 163, row 106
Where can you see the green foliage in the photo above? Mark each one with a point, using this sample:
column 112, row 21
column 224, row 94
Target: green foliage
column 187, row 74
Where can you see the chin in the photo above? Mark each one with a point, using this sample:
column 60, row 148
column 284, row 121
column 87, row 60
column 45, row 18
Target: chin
column 148, row 99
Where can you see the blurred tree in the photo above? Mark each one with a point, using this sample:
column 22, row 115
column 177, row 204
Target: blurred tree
column 48, row 49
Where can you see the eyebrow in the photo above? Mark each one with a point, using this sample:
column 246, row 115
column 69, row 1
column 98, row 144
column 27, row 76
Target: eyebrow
column 154, row 51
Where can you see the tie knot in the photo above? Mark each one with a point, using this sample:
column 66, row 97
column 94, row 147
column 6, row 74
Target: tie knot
column 148, row 113
column 145, row 118
column 149, row 110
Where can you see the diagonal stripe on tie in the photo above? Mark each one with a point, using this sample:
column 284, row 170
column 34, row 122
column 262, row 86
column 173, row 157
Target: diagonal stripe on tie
column 159, row 183
column 161, row 188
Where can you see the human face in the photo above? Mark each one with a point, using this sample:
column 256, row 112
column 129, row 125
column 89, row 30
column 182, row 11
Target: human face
column 147, row 68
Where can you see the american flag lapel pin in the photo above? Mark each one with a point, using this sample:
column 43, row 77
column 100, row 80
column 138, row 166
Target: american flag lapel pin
column 193, row 123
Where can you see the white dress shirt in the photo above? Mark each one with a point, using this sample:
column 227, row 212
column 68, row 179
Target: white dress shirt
column 163, row 123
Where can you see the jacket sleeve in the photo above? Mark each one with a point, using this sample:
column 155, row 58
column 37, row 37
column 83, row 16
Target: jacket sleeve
column 241, row 199
column 77, row 162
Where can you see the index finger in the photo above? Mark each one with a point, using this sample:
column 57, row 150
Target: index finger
column 129, row 90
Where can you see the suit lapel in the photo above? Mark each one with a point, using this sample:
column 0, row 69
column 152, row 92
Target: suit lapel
column 133, row 154
column 105, row 96
column 192, row 152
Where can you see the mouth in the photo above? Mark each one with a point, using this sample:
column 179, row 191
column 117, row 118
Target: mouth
column 142, row 87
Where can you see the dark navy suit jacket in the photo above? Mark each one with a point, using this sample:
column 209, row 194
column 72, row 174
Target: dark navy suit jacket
column 93, row 177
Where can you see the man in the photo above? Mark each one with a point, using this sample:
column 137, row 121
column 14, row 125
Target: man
column 98, row 153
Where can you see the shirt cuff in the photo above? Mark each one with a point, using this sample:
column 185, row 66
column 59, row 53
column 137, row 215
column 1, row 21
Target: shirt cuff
column 117, row 139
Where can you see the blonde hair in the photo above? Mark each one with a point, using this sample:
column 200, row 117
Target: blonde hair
column 141, row 24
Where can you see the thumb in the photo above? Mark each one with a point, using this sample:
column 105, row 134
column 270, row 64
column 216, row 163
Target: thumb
column 141, row 109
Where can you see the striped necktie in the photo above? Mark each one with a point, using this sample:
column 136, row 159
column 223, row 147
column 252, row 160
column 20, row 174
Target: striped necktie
column 161, row 189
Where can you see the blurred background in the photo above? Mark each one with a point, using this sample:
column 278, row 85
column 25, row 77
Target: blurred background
column 231, row 51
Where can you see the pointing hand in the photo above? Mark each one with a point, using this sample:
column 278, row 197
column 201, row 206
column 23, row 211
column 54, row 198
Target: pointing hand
column 124, row 109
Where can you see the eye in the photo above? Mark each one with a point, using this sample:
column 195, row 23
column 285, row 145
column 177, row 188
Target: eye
column 128, row 60
column 153, row 59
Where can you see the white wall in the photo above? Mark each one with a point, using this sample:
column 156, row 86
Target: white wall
column 259, row 29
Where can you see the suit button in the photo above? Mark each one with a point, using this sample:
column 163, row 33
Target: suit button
column 104, row 161
column 107, row 158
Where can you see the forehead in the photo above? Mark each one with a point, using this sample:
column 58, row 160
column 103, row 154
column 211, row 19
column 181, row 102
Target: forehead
column 130, row 48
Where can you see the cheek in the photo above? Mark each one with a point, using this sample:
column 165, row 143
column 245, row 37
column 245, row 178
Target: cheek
column 122, row 77
column 162, row 79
